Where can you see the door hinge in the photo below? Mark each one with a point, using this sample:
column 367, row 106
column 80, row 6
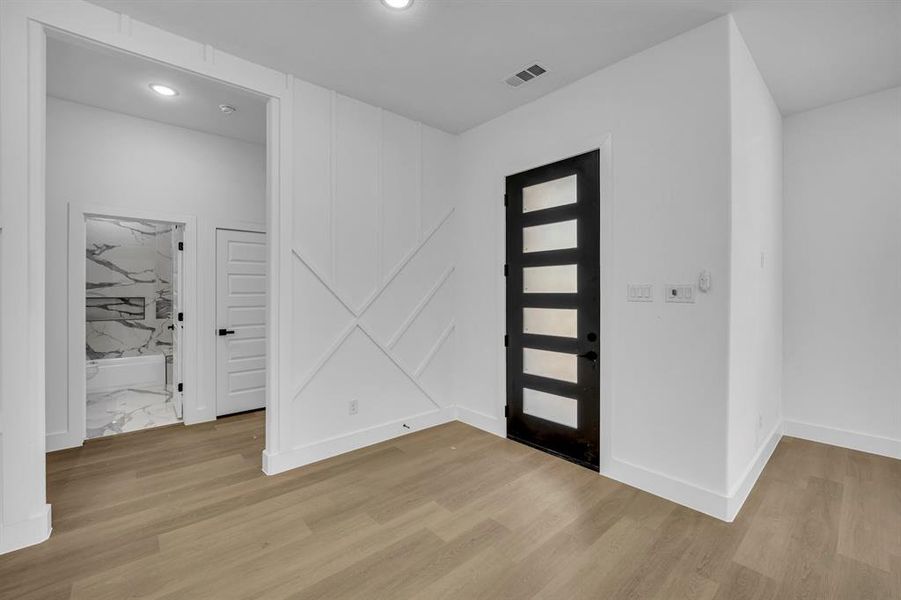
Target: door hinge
column 505, row 199
column 506, row 270
column 506, row 411
column 181, row 245
column 506, row 340
column 181, row 316
column 181, row 387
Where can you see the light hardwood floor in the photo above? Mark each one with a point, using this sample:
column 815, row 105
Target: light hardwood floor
column 449, row 512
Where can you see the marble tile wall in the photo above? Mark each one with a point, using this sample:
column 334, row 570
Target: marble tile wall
column 130, row 264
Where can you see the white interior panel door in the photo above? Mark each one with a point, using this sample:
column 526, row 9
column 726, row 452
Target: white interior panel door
column 241, row 314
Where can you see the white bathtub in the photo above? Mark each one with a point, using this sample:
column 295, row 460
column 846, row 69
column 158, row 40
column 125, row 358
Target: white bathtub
column 111, row 373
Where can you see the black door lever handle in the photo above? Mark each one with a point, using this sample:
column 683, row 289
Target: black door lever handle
column 226, row 331
column 590, row 355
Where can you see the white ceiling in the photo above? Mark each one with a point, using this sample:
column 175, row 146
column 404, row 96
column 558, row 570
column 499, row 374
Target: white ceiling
column 443, row 61
column 95, row 75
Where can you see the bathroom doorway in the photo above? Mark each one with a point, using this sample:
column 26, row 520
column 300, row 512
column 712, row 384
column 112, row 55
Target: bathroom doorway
column 133, row 324
column 158, row 158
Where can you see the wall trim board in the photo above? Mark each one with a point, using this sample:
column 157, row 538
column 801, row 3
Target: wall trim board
column 300, row 456
column 739, row 493
column 676, row 490
column 36, row 529
column 62, row 440
column 844, row 438
column 724, row 507
column 480, row 420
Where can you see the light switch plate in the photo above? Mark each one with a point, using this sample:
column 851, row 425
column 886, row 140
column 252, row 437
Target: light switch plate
column 640, row 292
column 679, row 293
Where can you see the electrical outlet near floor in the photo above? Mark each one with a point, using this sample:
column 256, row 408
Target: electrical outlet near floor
column 353, row 407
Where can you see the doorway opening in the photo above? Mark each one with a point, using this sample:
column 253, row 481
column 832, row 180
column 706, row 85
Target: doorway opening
column 139, row 183
column 133, row 286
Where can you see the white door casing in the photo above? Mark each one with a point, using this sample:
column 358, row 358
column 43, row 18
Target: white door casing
column 241, row 321
column 178, row 325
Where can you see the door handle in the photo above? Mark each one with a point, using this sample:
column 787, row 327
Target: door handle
column 226, row 331
column 590, row 355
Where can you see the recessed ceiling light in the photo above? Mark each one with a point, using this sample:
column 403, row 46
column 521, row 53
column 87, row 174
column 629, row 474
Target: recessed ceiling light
column 163, row 90
column 398, row 4
column 227, row 108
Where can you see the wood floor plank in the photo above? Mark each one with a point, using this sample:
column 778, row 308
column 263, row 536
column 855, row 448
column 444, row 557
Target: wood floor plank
column 446, row 513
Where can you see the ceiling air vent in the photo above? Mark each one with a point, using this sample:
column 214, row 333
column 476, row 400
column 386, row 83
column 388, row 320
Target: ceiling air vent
column 527, row 74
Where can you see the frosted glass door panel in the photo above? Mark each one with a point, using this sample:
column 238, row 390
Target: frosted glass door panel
column 557, row 192
column 561, row 322
column 556, row 279
column 554, row 365
column 550, row 407
column 551, row 236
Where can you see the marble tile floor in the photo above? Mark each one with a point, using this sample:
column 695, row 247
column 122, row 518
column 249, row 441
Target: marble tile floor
column 129, row 409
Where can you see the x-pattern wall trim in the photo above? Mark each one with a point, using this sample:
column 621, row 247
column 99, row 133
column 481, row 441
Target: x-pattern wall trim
column 359, row 314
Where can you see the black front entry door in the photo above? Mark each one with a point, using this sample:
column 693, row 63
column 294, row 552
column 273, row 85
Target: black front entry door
column 553, row 308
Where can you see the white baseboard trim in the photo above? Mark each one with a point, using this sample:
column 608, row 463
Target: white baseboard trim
column 676, row 490
column 34, row 530
column 480, row 420
column 741, row 490
column 279, row 462
column 62, row 441
column 844, row 438
column 724, row 507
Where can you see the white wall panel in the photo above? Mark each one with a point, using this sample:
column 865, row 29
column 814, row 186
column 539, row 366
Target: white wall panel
column 843, row 273
column 411, row 285
column 375, row 325
column 401, row 189
column 357, row 132
column 414, row 344
column 439, row 176
column 319, row 321
column 755, row 328
column 312, row 174
column 436, row 378
column 359, row 371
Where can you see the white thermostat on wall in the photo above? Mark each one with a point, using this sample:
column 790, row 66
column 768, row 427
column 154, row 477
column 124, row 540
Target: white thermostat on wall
column 704, row 281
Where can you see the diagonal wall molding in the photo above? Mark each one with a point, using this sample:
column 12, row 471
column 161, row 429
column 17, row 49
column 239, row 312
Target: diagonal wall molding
column 372, row 223
column 364, row 306
column 435, row 348
column 419, row 307
column 357, row 323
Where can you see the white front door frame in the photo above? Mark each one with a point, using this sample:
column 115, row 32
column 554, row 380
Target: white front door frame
column 24, row 513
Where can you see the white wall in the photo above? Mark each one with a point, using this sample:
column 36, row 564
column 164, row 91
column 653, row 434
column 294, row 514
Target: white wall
column 843, row 273
column 372, row 274
column 755, row 316
column 667, row 115
column 97, row 157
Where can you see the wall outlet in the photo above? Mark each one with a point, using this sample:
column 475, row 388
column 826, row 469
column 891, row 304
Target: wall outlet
column 353, row 407
column 681, row 293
